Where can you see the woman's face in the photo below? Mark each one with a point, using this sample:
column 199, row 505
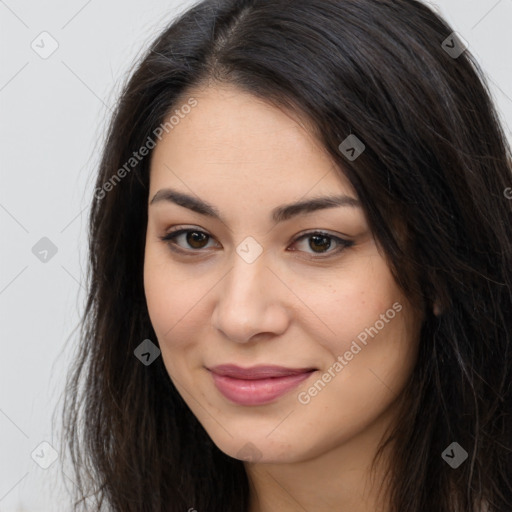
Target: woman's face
column 258, row 282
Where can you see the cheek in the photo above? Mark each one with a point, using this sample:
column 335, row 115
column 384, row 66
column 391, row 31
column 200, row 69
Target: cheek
column 178, row 307
column 345, row 304
column 361, row 380
column 162, row 288
column 172, row 307
column 169, row 320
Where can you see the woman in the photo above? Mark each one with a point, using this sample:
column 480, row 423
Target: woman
column 300, row 271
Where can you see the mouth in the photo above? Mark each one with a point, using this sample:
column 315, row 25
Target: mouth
column 257, row 385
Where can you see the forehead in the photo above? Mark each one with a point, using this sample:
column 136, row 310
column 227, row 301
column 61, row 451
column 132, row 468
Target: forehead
column 232, row 138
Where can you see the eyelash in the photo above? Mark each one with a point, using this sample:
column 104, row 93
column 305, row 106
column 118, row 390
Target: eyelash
column 170, row 237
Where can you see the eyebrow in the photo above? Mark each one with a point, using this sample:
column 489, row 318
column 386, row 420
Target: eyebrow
column 279, row 214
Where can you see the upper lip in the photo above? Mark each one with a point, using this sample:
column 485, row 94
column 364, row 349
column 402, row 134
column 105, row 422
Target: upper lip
column 257, row 372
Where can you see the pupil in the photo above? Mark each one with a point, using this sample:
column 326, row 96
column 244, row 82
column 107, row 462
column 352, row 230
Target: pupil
column 193, row 237
column 324, row 239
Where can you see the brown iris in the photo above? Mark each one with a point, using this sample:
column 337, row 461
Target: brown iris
column 195, row 237
column 320, row 240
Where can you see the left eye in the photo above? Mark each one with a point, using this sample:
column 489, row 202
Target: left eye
column 319, row 242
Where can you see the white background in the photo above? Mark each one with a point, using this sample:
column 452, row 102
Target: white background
column 53, row 115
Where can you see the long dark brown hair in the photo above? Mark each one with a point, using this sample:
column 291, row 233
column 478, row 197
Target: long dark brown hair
column 433, row 180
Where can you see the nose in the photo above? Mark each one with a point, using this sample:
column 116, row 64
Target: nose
column 250, row 302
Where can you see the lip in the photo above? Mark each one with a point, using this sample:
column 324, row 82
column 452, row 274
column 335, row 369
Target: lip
column 259, row 384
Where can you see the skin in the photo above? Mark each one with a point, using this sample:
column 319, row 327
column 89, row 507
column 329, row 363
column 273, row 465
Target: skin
column 210, row 306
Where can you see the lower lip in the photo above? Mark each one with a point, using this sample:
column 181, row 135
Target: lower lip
column 259, row 391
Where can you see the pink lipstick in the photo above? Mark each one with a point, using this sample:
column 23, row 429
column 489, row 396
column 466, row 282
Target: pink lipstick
column 257, row 385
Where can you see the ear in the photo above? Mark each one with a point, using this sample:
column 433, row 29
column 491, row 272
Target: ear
column 436, row 308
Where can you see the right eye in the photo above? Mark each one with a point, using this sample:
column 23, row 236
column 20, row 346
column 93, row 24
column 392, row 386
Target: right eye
column 194, row 238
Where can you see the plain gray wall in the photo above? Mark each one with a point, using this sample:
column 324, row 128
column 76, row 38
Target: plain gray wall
column 53, row 113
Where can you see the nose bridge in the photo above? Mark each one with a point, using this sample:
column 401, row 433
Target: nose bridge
column 243, row 290
column 243, row 284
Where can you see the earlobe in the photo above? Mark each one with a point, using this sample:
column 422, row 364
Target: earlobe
column 436, row 308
